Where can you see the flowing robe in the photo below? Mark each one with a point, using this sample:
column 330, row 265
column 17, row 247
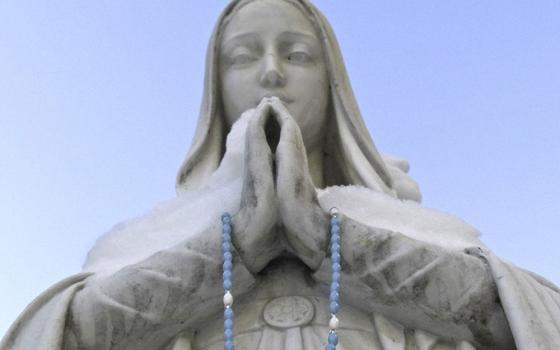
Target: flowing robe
column 413, row 278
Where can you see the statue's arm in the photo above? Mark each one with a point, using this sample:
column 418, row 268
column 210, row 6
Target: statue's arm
column 144, row 305
column 147, row 303
column 426, row 286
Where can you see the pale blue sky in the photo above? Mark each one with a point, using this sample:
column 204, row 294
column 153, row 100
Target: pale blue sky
column 98, row 100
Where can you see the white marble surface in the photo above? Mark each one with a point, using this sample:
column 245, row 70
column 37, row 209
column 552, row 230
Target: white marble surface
column 311, row 260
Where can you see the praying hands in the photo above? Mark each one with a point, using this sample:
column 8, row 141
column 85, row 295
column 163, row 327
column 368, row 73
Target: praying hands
column 279, row 208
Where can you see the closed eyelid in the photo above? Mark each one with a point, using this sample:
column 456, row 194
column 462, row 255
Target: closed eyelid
column 303, row 44
column 240, row 50
column 231, row 54
column 297, row 48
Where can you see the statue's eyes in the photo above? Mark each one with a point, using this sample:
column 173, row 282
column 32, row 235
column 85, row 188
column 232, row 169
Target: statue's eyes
column 241, row 55
column 298, row 52
column 299, row 57
column 242, row 58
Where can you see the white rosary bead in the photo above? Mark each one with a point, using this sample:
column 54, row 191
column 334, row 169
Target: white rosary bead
column 333, row 211
column 228, row 299
column 333, row 323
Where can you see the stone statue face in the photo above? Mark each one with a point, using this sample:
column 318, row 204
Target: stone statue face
column 269, row 48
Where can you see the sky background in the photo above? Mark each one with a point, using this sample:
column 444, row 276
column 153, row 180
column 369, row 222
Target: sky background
column 98, row 101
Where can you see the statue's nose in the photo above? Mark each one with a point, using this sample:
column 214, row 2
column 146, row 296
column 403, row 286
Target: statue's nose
column 272, row 74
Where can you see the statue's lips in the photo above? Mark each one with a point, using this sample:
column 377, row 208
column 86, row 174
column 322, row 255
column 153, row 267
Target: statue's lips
column 286, row 100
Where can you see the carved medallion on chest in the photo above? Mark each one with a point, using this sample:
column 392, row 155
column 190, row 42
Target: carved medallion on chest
column 288, row 312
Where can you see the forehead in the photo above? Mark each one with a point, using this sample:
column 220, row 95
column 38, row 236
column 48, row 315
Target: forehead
column 266, row 16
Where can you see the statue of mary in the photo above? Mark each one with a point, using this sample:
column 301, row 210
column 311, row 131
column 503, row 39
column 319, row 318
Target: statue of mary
column 280, row 140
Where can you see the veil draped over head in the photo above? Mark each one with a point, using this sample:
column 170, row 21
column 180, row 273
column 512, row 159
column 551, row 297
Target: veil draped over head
column 350, row 156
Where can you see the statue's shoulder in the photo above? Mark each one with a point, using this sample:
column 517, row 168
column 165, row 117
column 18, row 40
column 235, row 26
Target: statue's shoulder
column 28, row 331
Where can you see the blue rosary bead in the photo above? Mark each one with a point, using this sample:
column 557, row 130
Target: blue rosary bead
column 335, row 247
column 228, row 265
column 228, row 256
column 334, row 222
column 335, row 286
column 227, row 284
column 335, row 229
column 333, row 338
column 228, row 323
column 226, row 229
column 336, row 277
column 227, row 274
column 228, row 313
column 336, row 267
column 334, row 307
column 330, row 347
column 228, row 334
column 335, row 257
column 226, row 247
column 334, row 296
column 335, row 238
column 228, row 345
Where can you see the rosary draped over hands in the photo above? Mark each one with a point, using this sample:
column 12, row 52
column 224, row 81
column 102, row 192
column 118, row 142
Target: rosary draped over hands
column 286, row 177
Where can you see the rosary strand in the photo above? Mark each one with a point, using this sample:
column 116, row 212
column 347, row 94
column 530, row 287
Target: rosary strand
column 335, row 280
column 228, row 266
